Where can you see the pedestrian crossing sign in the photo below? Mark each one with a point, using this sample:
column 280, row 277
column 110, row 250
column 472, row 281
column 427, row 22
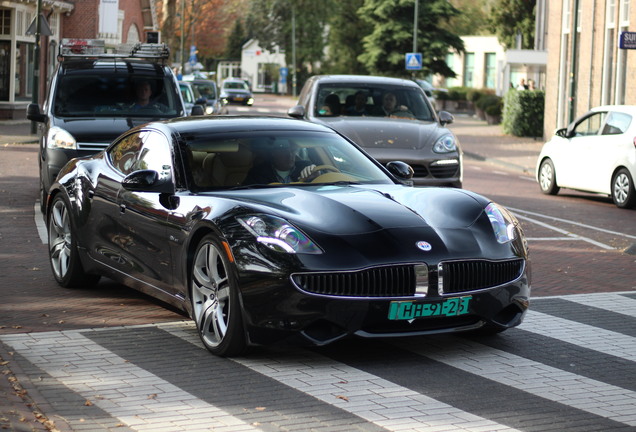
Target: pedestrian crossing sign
column 413, row 61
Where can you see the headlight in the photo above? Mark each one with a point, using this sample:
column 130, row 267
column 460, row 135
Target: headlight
column 278, row 234
column 504, row 224
column 445, row 144
column 209, row 110
column 59, row 138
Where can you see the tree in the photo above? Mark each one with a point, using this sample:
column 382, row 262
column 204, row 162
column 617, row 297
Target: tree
column 235, row 41
column 472, row 18
column 392, row 36
column 512, row 18
column 346, row 30
column 270, row 22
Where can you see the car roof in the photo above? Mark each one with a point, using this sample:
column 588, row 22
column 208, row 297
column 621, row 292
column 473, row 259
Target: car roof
column 112, row 65
column 371, row 79
column 244, row 123
column 629, row 109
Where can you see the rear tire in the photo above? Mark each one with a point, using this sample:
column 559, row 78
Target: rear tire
column 547, row 178
column 216, row 308
column 63, row 254
column 623, row 192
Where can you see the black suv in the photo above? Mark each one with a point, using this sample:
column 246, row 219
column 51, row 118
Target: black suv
column 95, row 96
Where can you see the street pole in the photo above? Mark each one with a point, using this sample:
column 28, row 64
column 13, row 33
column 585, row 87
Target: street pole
column 182, row 39
column 416, row 13
column 293, row 51
column 573, row 63
column 35, row 93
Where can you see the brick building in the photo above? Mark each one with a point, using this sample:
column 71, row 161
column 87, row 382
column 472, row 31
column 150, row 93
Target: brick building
column 115, row 21
column 602, row 72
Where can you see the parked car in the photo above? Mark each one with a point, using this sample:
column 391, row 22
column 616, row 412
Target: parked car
column 595, row 153
column 414, row 133
column 207, row 90
column 168, row 209
column 92, row 100
column 191, row 96
column 236, row 90
column 429, row 90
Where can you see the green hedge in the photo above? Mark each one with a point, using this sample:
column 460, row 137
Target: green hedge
column 523, row 113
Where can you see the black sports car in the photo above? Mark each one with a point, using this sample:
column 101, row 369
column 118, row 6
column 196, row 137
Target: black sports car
column 332, row 245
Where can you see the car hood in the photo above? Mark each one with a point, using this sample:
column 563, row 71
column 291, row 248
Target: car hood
column 352, row 210
column 91, row 129
column 372, row 132
column 364, row 223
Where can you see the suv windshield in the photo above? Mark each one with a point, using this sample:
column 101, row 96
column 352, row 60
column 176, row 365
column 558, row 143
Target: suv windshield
column 115, row 95
column 355, row 99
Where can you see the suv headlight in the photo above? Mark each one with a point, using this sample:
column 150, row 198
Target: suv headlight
column 445, row 144
column 278, row 234
column 59, row 138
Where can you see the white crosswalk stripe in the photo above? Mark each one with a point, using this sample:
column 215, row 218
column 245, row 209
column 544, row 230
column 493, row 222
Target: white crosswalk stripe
column 146, row 402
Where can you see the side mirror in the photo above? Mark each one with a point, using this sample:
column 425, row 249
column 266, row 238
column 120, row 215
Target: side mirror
column 297, row 111
column 197, row 110
column 402, row 171
column 33, row 113
column 148, row 181
column 445, row 118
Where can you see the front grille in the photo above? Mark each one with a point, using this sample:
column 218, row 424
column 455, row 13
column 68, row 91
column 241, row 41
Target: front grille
column 93, row 146
column 463, row 276
column 419, row 171
column 394, row 281
column 401, row 280
column 444, row 171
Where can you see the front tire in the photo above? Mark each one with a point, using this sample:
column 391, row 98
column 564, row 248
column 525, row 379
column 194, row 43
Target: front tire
column 547, row 178
column 216, row 307
column 623, row 192
column 63, row 254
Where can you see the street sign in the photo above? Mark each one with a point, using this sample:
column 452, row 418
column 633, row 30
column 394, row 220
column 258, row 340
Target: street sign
column 627, row 40
column 413, row 61
column 283, row 75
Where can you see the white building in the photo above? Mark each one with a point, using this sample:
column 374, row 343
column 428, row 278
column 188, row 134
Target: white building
column 263, row 68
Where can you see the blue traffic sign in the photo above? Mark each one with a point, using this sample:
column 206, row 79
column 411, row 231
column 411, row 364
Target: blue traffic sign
column 627, row 40
column 413, row 61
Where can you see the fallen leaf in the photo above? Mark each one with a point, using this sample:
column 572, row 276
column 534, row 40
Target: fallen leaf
column 88, row 403
column 344, row 398
column 152, row 396
column 4, row 363
column 260, row 408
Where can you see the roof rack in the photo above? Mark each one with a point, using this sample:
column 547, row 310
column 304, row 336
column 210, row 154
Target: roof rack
column 96, row 48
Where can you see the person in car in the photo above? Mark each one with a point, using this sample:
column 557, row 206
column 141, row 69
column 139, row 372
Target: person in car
column 143, row 94
column 390, row 107
column 359, row 107
column 282, row 166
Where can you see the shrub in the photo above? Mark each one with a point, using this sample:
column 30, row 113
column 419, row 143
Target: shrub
column 523, row 113
column 487, row 101
column 457, row 93
column 473, row 95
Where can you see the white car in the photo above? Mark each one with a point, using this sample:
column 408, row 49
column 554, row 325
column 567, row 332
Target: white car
column 595, row 153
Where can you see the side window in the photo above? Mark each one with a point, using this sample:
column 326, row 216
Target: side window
column 125, row 153
column 617, row 123
column 590, row 125
column 142, row 150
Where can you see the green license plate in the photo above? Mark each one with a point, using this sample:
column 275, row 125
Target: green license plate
column 408, row 310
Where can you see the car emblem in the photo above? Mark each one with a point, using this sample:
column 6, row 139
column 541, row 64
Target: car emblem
column 425, row 246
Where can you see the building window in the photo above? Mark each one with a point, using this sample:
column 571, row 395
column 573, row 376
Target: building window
column 469, row 70
column 5, row 21
column 5, row 69
column 24, row 72
column 490, row 70
column 450, row 61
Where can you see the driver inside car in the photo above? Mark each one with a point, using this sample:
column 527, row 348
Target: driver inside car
column 281, row 166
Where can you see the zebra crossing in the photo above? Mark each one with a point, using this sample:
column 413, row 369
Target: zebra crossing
column 570, row 366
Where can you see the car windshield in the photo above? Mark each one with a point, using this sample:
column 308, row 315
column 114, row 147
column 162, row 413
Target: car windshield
column 235, row 85
column 207, row 90
column 248, row 160
column 351, row 99
column 115, row 95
